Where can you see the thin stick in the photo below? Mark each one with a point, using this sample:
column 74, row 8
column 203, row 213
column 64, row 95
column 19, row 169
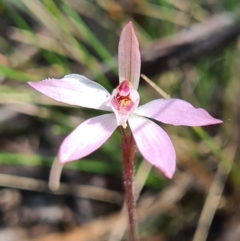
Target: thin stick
column 157, row 88
column 82, row 191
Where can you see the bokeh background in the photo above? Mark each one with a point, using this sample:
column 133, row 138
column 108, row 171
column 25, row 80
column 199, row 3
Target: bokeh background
column 190, row 49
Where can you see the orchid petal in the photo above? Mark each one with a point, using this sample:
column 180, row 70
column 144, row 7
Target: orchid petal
column 75, row 89
column 176, row 112
column 87, row 137
column 129, row 60
column 154, row 144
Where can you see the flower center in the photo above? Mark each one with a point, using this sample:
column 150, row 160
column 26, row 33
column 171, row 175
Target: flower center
column 124, row 100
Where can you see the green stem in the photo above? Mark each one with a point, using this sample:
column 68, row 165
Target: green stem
column 128, row 150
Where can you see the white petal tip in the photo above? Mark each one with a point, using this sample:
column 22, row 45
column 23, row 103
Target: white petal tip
column 217, row 121
column 63, row 158
column 169, row 175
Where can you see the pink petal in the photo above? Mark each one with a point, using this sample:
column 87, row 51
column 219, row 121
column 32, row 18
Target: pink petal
column 75, row 89
column 129, row 60
column 154, row 144
column 176, row 112
column 87, row 137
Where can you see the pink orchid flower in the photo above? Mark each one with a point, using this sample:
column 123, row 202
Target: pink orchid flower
column 152, row 141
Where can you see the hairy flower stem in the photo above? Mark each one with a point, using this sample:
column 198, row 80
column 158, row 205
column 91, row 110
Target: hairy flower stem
column 128, row 150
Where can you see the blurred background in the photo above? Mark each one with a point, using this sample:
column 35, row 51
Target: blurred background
column 190, row 49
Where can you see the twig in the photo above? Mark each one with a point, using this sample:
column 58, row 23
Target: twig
column 157, row 88
column 95, row 193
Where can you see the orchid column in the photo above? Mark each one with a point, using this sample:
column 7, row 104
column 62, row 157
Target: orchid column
column 137, row 130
